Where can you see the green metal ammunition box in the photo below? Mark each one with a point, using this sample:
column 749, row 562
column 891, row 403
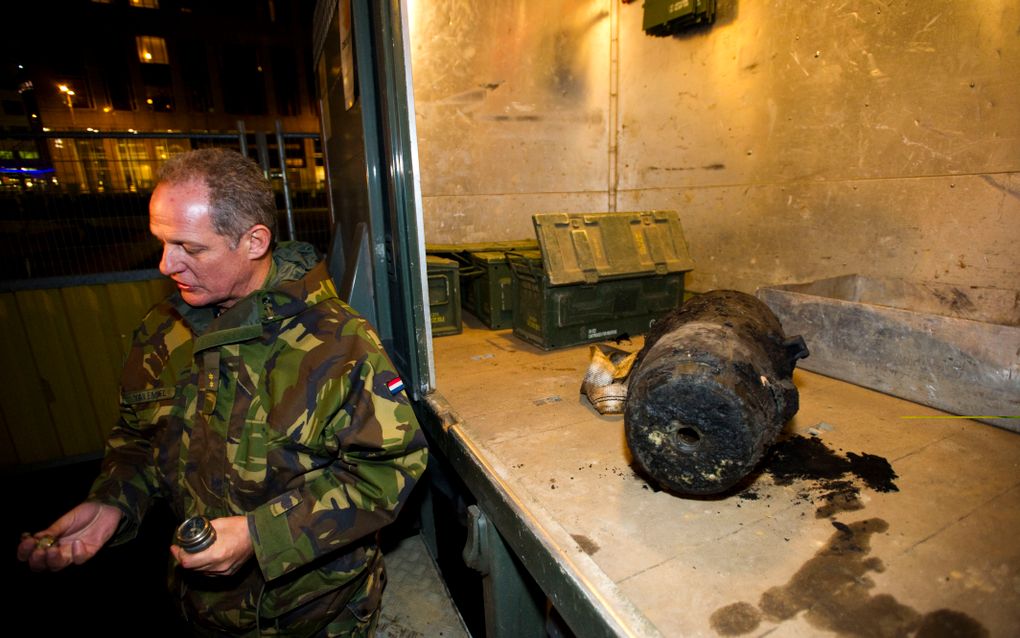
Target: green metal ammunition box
column 598, row 276
column 485, row 282
column 444, row 295
column 487, row 289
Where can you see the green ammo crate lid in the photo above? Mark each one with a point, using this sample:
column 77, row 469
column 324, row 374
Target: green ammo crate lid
column 585, row 248
column 476, row 247
column 439, row 263
column 527, row 262
column 488, row 257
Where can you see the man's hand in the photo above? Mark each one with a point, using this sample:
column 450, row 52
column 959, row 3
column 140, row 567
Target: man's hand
column 232, row 548
column 74, row 538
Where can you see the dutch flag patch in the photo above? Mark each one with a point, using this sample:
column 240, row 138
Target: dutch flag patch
column 395, row 385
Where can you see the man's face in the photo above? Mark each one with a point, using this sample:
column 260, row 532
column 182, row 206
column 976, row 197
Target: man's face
column 206, row 269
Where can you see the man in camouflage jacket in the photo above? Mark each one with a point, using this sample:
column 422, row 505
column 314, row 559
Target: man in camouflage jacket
column 253, row 397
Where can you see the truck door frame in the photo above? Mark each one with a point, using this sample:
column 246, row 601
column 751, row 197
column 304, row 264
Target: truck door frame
column 377, row 257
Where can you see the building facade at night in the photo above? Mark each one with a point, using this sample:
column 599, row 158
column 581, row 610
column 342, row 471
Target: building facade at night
column 104, row 68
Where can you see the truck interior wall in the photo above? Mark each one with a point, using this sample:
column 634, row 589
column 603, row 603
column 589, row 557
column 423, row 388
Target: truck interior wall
column 797, row 140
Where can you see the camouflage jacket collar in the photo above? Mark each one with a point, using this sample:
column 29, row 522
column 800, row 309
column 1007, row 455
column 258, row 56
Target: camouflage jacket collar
column 297, row 280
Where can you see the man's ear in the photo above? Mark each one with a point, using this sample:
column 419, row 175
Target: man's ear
column 259, row 239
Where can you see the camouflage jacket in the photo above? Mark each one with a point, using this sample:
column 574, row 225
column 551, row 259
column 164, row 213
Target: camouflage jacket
column 284, row 409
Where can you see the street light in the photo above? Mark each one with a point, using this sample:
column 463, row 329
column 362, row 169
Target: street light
column 69, row 93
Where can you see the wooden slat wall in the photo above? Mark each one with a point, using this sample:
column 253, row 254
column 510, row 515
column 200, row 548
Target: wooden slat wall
column 61, row 351
column 25, row 404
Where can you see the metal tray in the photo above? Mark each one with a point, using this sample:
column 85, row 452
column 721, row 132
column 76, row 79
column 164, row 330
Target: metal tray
column 951, row 347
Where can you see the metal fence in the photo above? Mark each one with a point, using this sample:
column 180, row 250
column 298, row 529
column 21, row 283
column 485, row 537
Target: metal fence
column 76, row 203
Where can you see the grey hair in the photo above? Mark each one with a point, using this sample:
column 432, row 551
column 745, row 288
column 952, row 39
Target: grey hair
column 240, row 196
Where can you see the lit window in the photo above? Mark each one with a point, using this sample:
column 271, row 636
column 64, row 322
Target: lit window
column 6, row 155
column 152, row 50
column 29, row 155
column 145, row 4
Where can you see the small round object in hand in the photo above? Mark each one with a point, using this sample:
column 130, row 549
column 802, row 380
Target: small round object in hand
column 195, row 534
column 45, row 542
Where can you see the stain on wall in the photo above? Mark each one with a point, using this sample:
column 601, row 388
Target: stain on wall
column 797, row 140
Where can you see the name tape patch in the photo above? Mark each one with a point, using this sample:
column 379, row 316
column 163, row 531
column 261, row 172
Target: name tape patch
column 152, row 394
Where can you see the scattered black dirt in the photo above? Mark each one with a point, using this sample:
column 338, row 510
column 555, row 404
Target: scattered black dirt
column 808, row 458
column 833, row 481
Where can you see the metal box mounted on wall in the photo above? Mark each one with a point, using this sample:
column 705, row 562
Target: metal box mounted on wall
column 666, row 17
column 598, row 276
